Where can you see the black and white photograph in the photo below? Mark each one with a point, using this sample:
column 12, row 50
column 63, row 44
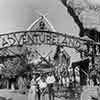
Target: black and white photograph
column 49, row 49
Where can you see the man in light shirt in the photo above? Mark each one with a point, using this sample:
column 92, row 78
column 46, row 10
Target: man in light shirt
column 42, row 83
column 50, row 81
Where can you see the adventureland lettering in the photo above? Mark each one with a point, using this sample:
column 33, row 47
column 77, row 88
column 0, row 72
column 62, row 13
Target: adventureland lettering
column 71, row 42
column 38, row 38
column 28, row 38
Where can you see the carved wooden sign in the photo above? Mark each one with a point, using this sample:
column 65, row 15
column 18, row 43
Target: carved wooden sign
column 40, row 38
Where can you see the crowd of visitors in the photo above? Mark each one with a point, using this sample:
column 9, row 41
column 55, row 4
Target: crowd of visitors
column 41, row 87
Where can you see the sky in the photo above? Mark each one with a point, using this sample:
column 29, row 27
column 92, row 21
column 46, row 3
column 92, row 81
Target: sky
column 94, row 2
column 17, row 15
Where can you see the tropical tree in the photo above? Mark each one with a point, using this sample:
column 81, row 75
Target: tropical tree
column 15, row 66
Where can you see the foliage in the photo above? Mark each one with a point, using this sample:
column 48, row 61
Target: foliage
column 85, row 14
column 16, row 66
column 12, row 68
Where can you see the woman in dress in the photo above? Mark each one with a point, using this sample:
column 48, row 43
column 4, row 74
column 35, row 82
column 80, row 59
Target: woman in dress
column 32, row 90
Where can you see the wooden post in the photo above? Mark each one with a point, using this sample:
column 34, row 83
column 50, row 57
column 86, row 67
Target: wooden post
column 74, row 78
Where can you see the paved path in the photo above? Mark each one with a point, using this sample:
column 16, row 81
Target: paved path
column 17, row 96
column 89, row 92
column 10, row 94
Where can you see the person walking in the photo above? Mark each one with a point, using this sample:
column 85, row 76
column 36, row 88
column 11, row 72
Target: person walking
column 32, row 90
column 50, row 81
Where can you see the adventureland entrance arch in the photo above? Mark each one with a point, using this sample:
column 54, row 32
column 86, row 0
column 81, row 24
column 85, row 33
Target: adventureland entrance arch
column 43, row 37
column 36, row 37
column 21, row 38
